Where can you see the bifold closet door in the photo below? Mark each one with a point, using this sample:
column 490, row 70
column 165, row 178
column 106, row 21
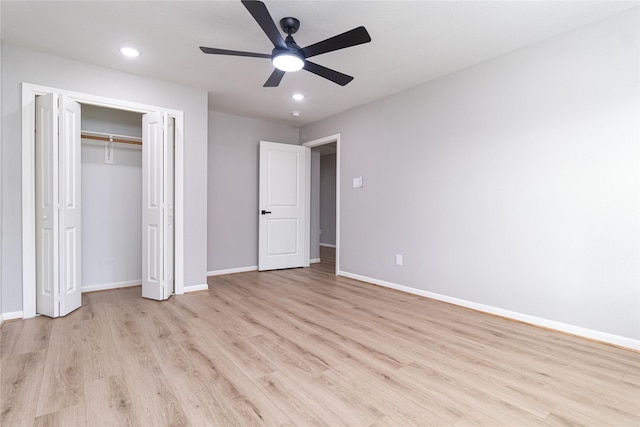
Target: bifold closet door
column 58, row 206
column 157, row 206
column 169, row 191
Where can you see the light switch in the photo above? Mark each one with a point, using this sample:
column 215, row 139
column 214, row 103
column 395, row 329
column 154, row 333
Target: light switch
column 357, row 182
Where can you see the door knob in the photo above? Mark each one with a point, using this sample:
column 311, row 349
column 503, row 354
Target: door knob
column 265, row 212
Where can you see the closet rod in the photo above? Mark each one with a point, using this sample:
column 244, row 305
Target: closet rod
column 127, row 140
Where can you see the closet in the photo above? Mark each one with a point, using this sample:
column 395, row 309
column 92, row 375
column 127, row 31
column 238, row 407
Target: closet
column 111, row 176
column 104, row 201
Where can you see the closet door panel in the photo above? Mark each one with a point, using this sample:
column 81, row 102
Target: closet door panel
column 153, row 140
column 70, row 207
column 169, row 212
column 46, row 209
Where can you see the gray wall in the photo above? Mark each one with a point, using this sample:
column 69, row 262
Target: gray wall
column 513, row 183
column 109, row 120
column 328, row 199
column 21, row 65
column 232, row 238
column 314, row 226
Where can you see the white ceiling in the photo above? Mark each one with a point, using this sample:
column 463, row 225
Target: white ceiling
column 412, row 42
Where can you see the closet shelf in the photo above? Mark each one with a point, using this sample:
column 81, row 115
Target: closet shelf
column 113, row 138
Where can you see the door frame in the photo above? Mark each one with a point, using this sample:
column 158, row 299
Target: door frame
column 305, row 181
column 29, row 93
column 316, row 143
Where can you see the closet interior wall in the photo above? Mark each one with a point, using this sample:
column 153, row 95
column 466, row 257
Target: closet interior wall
column 111, row 200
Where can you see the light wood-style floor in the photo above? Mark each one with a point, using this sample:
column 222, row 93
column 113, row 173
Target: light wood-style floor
column 302, row 347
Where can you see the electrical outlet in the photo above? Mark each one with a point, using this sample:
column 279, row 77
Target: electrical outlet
column 398, row 259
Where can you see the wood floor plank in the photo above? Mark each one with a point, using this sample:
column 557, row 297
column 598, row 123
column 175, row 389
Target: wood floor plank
column 70, row 416
column 381, row 389
column 63, row 377
column 453, row 389
column 20, row 385
column 153, row 402
column 99, row 350
column 33, row 336
column 200, row 399
column 296, row 402
column 172, row 357
column 587, row 414
column 482, row 418
column 47, row 420
column 304, row 347
column 235, row 390
column 631, row 379
column 11, row 333
column 108, row 399
column 245, row 356
column 286, row 356
column 345, row 400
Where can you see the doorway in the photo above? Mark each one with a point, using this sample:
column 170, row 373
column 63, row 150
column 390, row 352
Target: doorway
column 329, row 145
column 29, row 94
column 111, row 170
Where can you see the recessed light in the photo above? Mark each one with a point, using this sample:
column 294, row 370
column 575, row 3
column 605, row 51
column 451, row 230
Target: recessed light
column 129, row 52
column 295, row 113
column 298, row 96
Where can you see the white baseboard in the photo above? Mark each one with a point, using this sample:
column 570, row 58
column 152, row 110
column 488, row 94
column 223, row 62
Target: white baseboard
column 327, row 245
column 107, row 286
column 314, row 260
column 10, row 316
column 195, row 288
column 232, row 270
column 533, row 320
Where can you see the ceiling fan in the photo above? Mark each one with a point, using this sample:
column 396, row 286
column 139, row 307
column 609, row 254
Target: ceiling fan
column 287, row 55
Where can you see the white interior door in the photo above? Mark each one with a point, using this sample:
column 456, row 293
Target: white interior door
column 58, row 215
column 169, row 235
column 46, row 201
column 157, row 208
column 70, row 206
column 284, row 219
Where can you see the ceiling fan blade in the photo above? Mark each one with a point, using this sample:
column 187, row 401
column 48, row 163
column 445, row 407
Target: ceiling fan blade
column 259, row 11
column 327, row 73
column 350, row 38
column 274, row 79
column 215, row 51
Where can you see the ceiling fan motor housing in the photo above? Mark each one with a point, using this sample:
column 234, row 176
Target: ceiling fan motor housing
column 289, row 25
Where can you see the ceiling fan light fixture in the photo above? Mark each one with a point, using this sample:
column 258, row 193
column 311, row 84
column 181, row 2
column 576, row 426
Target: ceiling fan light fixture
column 287, row 61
